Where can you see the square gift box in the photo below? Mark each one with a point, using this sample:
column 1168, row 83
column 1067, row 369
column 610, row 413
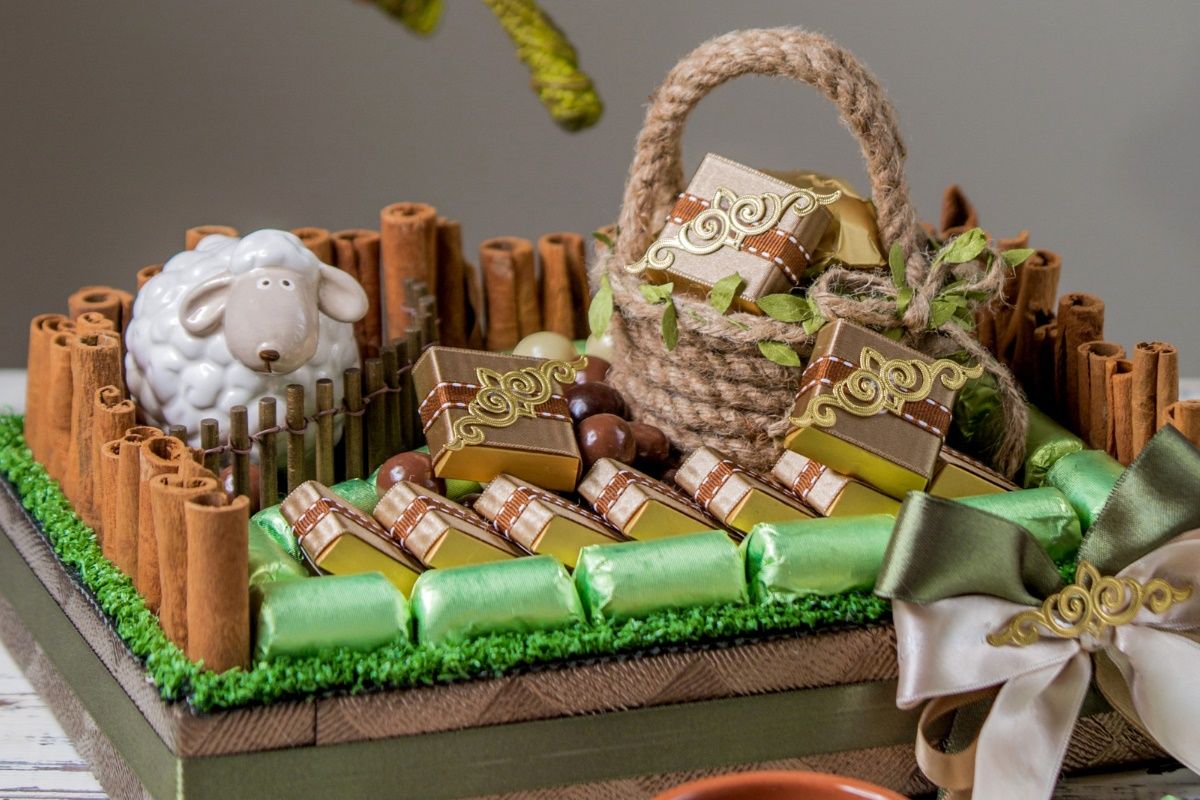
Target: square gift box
column 960, row 476
column 873, row 409
column 639, row 506
column 439, row 532
column 733, row 219
column 736, row 496
column 830, row 493
column 341, row 540
column 487, row 413
column 541, row 521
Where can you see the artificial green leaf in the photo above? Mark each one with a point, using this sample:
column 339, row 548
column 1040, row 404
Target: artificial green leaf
column 604, row 239
column 1018, row 256
column 964, row 248
column 670, row 325
column 785, row 307
column 655, row 293
column 965, row 318
column 779, row 352
column 940, row 313
column 896, row 262
column 601, row 308
column 721, row 295
column 954, row 299
column 903, row 298
column 814, row 324
column 895, row 334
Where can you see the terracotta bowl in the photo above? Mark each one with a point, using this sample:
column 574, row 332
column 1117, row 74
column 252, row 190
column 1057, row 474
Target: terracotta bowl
column 779, row 786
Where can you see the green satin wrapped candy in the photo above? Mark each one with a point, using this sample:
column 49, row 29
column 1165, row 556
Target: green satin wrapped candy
column 520, row 595
column 1086, row 478
column 356, row 492
column 301, row 618
column 269, row 562
column 633, row 579
column 821, row 556
column 1045, row 443
column 1045, row 512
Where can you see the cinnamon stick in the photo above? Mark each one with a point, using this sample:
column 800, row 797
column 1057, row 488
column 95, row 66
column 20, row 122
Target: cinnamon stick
column 451, row 286
column 1037, row 290
column 1185, row 416
column 1120, row 412
column 1045, row 343
column 95, row 362
column 510, row 281
column 318, row 242
column 146, row 273
column 168, row 495
column 94, row 322
column 103, row 300
column 1097, row 364
column 958, row 212
column 161, row 455
column 357, row 252
column 407, row 249
column 218, row 594
column 560, row 255
column 42, row 329
column 985, row 328
column 122, row 465
column 193, row 235
column 57, row 439
column 112, row 415
column 1155, row 369
column 1080, row 320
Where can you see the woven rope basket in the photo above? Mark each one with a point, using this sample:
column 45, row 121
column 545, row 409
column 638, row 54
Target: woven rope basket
column 716, row 388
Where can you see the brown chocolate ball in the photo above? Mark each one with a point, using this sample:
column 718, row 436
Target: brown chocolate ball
column 595, row 371
column 412, row 466
column 588, row 399
column 653, row 446
column 254, row 491
column 605, row 436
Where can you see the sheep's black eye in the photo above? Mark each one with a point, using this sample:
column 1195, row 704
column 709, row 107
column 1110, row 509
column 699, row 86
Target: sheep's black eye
column 263, row 283
column 286, row 283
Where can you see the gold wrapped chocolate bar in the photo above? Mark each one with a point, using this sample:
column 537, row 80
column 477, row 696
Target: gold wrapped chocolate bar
column 874, row 409
column 639, row 506
column 831, row 493
column 737, row 497
column 733, row 219
column 540, row 521
column 439, row 532
column 341, row 540
column 488, row 413
column 960, row 476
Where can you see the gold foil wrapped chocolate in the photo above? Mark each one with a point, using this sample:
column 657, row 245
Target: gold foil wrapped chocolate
column 541, row 521
column 873, row 409
column 739, row 498
column 487, row 413
column 831, row 493
column 639, row 506
column 852, row 238
column 339, row 539
column 734, row 219
column 439, row 532
column 960, row 476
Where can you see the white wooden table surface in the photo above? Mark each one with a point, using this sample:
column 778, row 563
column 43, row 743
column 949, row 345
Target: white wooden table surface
column 38, row 762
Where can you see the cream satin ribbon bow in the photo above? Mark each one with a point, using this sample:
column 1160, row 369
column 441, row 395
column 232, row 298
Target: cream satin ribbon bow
column 953, row 651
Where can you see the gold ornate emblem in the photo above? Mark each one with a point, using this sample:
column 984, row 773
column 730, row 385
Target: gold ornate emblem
column 504, row 397
column 1092, row 604
column 880, row 384
column 728, row 221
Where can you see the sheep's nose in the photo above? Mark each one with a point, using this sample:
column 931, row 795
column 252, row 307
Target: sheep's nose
column 268, row 355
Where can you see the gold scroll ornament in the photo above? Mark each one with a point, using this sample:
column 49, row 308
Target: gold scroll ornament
column 1092, row 604
column 505, row 397
column 880, row 384
column 728, row 222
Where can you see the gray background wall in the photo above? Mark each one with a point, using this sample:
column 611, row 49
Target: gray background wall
column 126, row 122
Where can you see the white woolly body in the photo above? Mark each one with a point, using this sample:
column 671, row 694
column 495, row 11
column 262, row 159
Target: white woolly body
column 179, row 379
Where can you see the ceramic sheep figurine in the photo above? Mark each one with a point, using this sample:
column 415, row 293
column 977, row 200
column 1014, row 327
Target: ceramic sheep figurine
column 236, row 320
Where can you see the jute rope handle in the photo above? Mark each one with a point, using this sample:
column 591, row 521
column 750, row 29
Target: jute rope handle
column 656, row 174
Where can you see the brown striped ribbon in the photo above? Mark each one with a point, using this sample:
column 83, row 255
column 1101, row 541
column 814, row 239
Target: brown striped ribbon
column 807, row 479
column 715, row 481
column 926, row 413
column 416, row 510
column 447, row 395
column 777, row 246
column 623, row 480
column 322, row 508
column 515, row 504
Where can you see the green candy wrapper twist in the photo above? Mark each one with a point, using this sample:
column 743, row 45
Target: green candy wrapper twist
column 1086, row 478
column 356, row 492
column 1045, row 443
column 1046, row 513
column 269, row 562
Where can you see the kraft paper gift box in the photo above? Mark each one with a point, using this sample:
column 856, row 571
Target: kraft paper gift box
column 737, row 497
column 873, row 409
column 487, row 413
column 830, row 493
column 541, row 521
column 639, row 506
column 339, row 539
column 734, row 219
column 439, row 532
column 960, row 476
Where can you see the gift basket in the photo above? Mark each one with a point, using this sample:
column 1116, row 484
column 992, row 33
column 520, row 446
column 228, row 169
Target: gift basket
column 336, row 514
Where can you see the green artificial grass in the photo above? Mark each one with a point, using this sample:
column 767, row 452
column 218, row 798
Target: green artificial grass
column 392, row 666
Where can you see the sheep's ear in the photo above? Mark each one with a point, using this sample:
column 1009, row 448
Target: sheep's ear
column 340, row 296
column 203, row 307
